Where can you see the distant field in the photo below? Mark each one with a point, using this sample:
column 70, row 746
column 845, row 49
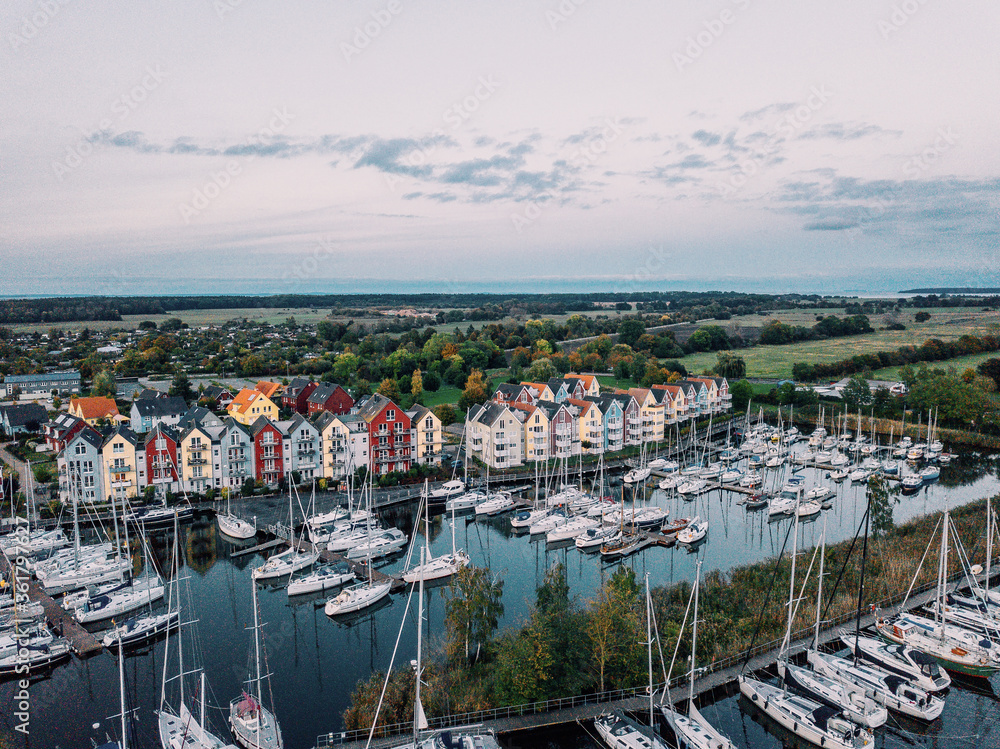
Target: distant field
column 777, row 361
column 444, row 394
column 960, row 363
column 195, row 318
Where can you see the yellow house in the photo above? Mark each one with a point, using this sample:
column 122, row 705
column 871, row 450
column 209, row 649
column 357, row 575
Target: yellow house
column 674, row 403
column 540, row 391
column 196, row 460
column 425, row 435
column 590, row 421
column 343, row 444
column 93, row 409
column 536, row 431
column 249, row 405
column 119, row 464
column 650, row 414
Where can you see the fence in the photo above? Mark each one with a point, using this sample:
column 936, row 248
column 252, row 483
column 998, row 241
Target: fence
column 500, row 713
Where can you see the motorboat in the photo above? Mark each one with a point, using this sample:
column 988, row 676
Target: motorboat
column 955, row 648
column 692, row 487
column 903, row 661
column 446, row 491
column 466, row 501
column 621, row 732
column 912, row 481
column 495, row 505
column 751, row 480
column 859, row 475
column 819, row 492
column 694, row 532
column 140, row 629
column 930, row 473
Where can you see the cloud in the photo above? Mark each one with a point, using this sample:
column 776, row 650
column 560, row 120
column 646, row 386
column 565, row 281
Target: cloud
column 832, row 225
column 770, row 109
column 707, row 138
column 845, row 131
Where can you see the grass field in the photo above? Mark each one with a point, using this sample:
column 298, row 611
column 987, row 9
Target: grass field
column 444, row 394
column 777, row 361
column 960, row 363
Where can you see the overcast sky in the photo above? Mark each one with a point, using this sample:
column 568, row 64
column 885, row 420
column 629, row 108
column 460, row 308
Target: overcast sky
column 236, row 145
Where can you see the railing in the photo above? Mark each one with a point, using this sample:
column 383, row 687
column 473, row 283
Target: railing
column 482, row 716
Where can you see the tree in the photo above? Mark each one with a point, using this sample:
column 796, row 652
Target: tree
column 541, row 370
column 181, row 386
column 472, row 611
column 730, row 365
column 991, row 368
column 416, row 385
column 857, row 394
column 477, row 390
column 922, row 316
column 432, row 381
column 742, row 393
column 390, row 389
column 615, row 631
column 104, row 384
column 630, row 330
column 882, row 503
column 445, row 412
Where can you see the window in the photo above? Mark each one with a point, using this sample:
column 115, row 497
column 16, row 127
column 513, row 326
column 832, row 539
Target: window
column 118, row 447
column 80, row 448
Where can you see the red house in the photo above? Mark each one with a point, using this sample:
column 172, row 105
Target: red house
column 329, row 397
column 296, row 395
column 61, row 430
column 268, row 457
column 161, row 459
column 388, row 434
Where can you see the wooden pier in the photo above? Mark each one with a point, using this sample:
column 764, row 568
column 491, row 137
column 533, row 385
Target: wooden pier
column 60, row 621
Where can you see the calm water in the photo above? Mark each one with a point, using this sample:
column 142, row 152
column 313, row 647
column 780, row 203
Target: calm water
column 316, row 661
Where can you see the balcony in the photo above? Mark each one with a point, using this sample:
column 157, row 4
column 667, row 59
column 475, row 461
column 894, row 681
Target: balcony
column 197, row 461
column 124, row 484
column 122, row 468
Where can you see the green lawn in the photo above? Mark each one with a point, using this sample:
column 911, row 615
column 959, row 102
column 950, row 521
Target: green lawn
column 444, row 394
column 960, row 363
column 777, row 361
column 609, row 382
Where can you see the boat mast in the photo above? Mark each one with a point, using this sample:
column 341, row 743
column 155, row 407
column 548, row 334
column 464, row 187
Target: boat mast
column 121, row 688
column 256, row 648
column 791, row 591
column 694, row 634
column 819, row 592
column 649, row 643
column 989, row 546
column 417, row 707
column 861, row 586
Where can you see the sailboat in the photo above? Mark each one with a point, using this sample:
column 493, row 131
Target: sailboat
column 253, row 725
column 234, row 526
column 431, row 568
column 837, row 693
column 361, row 595
column 178, row 727
column 808, row 719
column 290, row 561
column 956, row 648
column 692, row 730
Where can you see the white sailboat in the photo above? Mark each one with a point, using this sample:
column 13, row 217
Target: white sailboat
column 290, row 561
column 234, row 526
column 431, row 568
column 361, row 596
column 253, row 725
column 691, row 730
column 178, row 727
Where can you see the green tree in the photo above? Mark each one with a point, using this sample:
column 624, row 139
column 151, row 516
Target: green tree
column 181, row 386
column 615, row 632
column 857, row 394
column 881, row 498
column 730, row 365
column 922, row 316
column 104, row 384
column 445, row 412
column 630, row 330
column 742, row 393
column 541, row 370
column 472, row 611
column 991, row 368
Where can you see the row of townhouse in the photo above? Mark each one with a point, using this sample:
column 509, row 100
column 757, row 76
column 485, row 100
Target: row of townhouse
column 205, row 452
column 564, row 417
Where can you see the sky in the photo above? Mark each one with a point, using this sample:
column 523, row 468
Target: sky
column 212, row 146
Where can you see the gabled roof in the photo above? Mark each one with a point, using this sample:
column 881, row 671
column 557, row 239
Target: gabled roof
column 490, row 412
column 527, row 408
column 168, row 432
column 298, row 421
column 198, row 416
column 244, row 399
column 418, row 412
column 263, row 423
column 20, row 414
column 551, row 408
column 268, row 388
column 89, row 435
column 161, row 407
column 583, row 405
column 509, row 390
column 146, row 393
column 215, row 392
column 125, row 433
column 323, row 419
column 373, row 406
column 589, row 380
column 95, row 407
column 296, row 385
column 201, row 429
column 230, row 424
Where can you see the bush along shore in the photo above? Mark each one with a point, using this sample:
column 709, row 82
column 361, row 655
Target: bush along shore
column 571, row 646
